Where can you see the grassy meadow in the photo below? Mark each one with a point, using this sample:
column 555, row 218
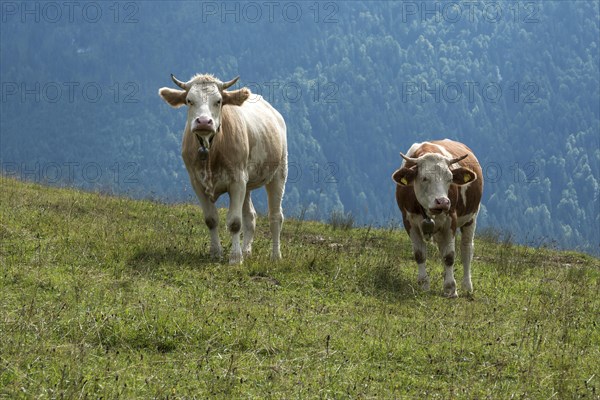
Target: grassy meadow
column 106, row 297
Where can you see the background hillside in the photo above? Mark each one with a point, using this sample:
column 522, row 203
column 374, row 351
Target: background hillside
column 357, row 82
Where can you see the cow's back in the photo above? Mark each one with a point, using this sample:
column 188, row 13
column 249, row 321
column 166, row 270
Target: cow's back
column 267, row 140
column 252, row 144
column 266, row 130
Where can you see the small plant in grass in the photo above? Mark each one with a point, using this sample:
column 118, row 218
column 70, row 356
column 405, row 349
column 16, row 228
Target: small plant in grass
column 341, row 220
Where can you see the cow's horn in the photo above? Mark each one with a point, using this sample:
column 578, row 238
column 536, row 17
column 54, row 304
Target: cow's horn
column 179, row 83
column 232, row 82
column 409, row 159
column 457, row 159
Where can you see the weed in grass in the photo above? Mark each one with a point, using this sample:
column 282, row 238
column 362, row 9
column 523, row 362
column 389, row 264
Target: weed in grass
column 341, row 220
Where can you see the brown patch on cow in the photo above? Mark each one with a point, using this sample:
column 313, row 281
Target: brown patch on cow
column 449, row 259
column 235, row 226
column 405, row 220
column 419, row 258
column 211, row 223
column 407, row 201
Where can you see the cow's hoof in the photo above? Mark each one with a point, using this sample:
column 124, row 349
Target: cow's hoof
column 275, row 256
column 216, row 253
column 247, row 250
column 467, row 286
column 424, row 283
column 450, row 290
column 235, row 258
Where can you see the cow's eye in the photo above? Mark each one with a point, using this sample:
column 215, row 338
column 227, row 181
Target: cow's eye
column 191, row 103
column 218, row 103
column 425, row 179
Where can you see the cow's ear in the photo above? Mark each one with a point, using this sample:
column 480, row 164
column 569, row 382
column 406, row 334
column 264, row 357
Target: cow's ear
column 236, row 97
column 462, row 176
column 405, row 176
column 175, row 98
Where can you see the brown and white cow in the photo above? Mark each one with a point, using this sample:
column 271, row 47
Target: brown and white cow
column 233, row 142
column 439, row 188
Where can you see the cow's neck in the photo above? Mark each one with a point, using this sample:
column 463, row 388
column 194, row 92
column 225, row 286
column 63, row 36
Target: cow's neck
column 206, row 175
column 206, row 179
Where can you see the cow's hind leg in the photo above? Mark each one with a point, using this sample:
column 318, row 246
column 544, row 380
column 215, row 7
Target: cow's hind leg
column 275, row 190
column 466, row 255
column 248, row 224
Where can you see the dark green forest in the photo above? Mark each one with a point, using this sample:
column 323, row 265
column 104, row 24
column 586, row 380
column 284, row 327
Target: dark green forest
column 357, row 83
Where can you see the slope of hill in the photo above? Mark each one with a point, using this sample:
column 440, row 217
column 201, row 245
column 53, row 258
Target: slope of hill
column 109, row 297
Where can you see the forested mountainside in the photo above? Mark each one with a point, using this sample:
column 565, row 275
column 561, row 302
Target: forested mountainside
column 357, row 83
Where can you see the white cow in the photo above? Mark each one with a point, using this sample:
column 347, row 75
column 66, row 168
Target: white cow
column 233, row 142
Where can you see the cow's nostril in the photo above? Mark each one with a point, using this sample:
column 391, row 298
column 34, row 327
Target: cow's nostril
column 204, row 121
column 442, row 202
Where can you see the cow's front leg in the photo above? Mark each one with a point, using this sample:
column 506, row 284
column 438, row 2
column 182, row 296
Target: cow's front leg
column 446, row 247
column 420, row 253
column 237, row 193
column 211, row 219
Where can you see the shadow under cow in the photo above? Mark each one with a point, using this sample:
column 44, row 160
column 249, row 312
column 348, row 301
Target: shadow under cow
column 148, row 261
column 389, row 284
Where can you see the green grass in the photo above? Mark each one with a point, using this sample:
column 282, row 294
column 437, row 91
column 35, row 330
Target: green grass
column 105, row 297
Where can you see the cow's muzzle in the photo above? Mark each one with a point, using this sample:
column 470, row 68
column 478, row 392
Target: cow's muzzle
column 440, row 205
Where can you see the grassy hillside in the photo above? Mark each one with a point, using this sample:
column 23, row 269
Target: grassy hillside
column 113, row 298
